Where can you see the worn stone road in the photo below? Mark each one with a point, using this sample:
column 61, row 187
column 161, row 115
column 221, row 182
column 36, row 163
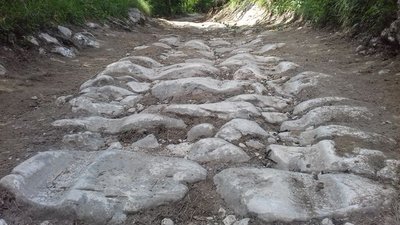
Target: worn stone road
column 225, row 114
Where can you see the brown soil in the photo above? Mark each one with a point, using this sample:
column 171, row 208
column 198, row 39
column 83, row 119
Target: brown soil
column 25, row 122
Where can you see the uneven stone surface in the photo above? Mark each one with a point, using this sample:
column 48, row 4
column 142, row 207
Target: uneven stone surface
column 274, row 117
column 262, row 100
column 216, row 150
column 331, row 131
column 282, row 143
column 114, row 126
column 275, row 195
column 313, row 103
column 323, row 157
column 204, row 130
column 148, row 142
column 196, row 86
column 238, row 128
column 325, row 114
column 92, row 187
column 223, row 110
column 84, row 141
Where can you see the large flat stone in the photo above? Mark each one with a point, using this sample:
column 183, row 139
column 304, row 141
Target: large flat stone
column 196, row 86
column 323, row 157
column 238, row 128
column 305, row 106
column 302, row 81
column 98, row 186
column 332, row 131
column 247, row 58
column 216, row 150
column 262, row 100
column 141, row 121
column 275, row 195
column 325, row 114
column 84, row 104
column 223, row 110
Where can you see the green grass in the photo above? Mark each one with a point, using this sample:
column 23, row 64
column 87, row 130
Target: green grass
column 371, row 15
column 24, row 16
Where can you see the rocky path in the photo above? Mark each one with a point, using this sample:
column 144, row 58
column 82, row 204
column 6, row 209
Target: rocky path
column 217, row 119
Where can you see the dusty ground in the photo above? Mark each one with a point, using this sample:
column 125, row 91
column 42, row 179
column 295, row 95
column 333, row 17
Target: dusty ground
column 28, row 93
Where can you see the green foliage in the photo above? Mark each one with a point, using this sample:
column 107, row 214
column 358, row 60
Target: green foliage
column 24, row 16
column 174, row 7
column 370, row 15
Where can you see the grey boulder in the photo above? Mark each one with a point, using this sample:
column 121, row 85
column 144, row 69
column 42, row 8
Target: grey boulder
column 92, row 187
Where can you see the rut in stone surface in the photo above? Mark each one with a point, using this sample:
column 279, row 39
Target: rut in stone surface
column 227, row 116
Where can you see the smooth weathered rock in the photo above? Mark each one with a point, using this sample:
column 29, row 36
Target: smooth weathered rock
column 219, row 42
column 84, row 141
column 167, row 221
column 148, row 142
column 48, row 39
column 283, row 67
column 185, row 70
column 223, row 110
column 98, row 81
column 262, row 100
column 84, row 40
column 323, row 157
column 98, row 186
column 174, row 41
column 66, row 32
column 64, row 51
column 197, row 44
column 114, row 126
column 84, row 104
column 32, row 40
column 247, row 58
column 136, row 16
column 131, row 101
column 2, row 222
column 300, row 82
column 274, row 117
column 317, row 102
column 107, row 92
column 238, row 128
column 275, row 195
column 326, row 114
column 332, row 131
column 216, row 150
column 92, row 25
column 242, row 222
column 162, row 45
column 176, row 71
column 203, row 130
column 270, row 47
column 143, row 61
column 63, row 99
column 197, row 86
column 139, row 87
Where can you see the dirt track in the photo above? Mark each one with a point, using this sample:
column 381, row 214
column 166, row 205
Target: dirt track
column 34, row 82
